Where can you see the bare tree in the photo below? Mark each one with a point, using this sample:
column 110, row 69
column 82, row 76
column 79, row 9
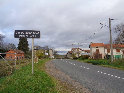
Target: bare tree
column 11, row 46
column 1, row 40
column 120, row 37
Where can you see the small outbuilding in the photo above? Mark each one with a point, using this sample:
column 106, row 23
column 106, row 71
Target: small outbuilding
column 14, row 54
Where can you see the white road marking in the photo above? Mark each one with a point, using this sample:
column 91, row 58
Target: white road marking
column 99, row 71
column 112, row 75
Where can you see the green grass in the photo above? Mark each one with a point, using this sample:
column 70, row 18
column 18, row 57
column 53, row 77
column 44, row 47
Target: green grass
column 118, row 64
column 22, row 81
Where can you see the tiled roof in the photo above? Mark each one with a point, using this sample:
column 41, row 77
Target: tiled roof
column 114, row 45
column 88, row 51
column 106, row 45
column 70, row 52
column 17, row 51
column 97, row 45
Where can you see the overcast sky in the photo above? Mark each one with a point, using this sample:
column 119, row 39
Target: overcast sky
column 61, row 22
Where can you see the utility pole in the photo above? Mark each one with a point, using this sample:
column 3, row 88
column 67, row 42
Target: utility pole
column 111, row 39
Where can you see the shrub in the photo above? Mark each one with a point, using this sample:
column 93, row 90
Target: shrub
column 97, row 55
column 74, row 56
column 98, row 62
column 5, row 70
column 84, row 57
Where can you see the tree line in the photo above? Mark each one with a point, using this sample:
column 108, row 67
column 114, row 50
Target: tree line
column 22, row 45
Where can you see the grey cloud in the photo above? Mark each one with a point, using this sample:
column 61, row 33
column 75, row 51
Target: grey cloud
column 61, row 22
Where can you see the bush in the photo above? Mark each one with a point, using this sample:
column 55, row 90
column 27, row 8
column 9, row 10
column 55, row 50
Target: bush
column 116, row 64
column 98, row 62
column 84, row 57
column 74, row 56
column 5, row 70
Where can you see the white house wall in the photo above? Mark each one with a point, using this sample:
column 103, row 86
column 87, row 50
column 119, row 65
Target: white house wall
column 114, row 52
column 101, row 51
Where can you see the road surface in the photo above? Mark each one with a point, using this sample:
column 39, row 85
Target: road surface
column 96, row 78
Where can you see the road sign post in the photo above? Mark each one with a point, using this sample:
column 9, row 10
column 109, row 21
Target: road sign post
column 32, row 55
column 15, row 60
column 28, row 34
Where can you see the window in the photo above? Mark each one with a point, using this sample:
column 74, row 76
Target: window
column 97, row 50
column 17, row 57
column 123, row 51
column 117, row 50
column 108, row 50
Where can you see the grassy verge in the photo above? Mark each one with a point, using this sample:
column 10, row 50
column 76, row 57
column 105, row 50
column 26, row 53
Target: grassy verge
column 118, row 64
column 22, row 81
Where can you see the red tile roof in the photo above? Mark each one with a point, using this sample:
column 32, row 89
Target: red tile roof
column 97, row 45
column 88, row 51
column 70, row 52
column 114, row 45
column 106, row 45
column 16, row 51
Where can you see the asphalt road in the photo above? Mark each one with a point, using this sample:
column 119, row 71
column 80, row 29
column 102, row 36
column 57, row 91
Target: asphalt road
column 96, row 78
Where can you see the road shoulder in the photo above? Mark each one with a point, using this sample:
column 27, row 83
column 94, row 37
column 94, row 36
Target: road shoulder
column 64, row 83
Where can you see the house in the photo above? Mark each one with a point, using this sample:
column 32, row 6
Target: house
column 69, row 54
column 118, row 50
column 101, row 50
column 77, row 51
column 51, row 53
column 46, row 51
column 14, row 54
column 97, row 51
column 85, row 52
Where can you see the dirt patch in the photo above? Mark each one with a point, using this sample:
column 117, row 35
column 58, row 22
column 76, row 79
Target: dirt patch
column 64, row 83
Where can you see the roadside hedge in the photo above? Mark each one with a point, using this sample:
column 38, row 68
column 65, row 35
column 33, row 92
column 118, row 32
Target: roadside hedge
column 5, row 70
column 119, row 63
